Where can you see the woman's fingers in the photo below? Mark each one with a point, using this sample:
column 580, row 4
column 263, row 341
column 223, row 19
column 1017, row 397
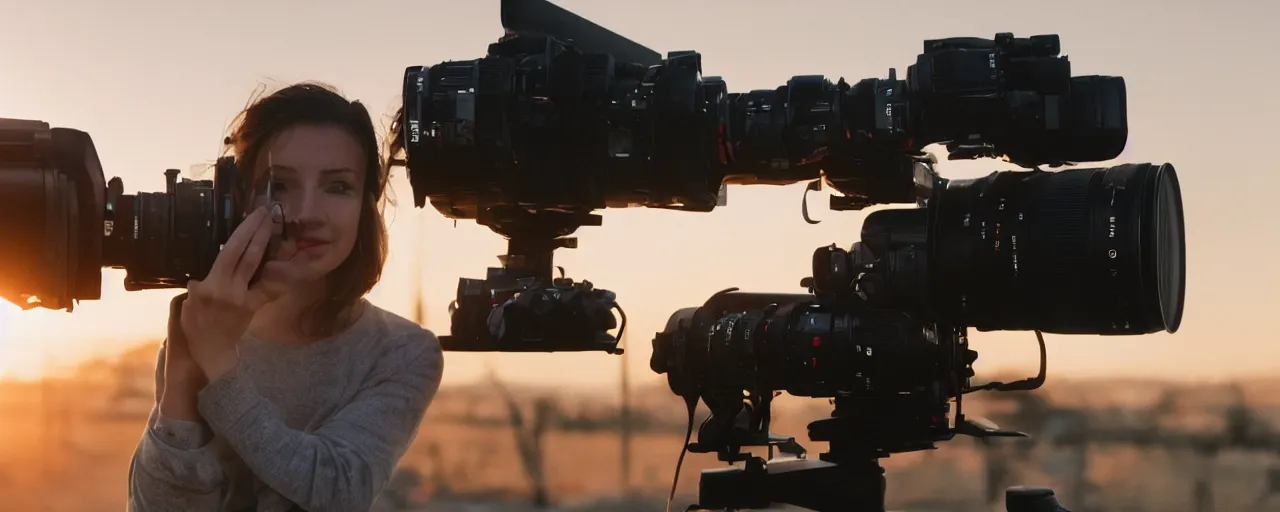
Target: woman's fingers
column 288, row 246
column 176, row 343
column 253, row 254
column 276, row 220
column 225, row 264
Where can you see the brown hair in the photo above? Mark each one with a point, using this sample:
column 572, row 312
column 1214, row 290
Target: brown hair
column 311, row 103
column 396, row 152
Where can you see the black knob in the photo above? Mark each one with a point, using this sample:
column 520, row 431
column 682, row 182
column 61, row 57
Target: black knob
column 660, row 360
column 1026, row 498
column 171, row 179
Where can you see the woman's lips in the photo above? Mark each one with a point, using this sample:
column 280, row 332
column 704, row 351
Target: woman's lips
column 310, row 243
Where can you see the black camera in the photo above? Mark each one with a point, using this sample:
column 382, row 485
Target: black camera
column 883, row 328
column 63, row 224
column 563, row 117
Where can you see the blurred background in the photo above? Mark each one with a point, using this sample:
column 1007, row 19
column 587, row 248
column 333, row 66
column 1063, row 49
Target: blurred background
column 1183, row 422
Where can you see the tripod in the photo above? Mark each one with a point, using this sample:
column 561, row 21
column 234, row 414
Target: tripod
column 826, row 485
column 848, row 477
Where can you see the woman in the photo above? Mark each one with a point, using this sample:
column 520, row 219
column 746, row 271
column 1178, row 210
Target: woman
column 289, row 390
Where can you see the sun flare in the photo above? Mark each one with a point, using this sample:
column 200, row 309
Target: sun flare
column 40, row 342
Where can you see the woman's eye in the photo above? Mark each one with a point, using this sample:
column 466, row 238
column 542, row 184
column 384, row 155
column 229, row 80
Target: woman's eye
column 341, row 187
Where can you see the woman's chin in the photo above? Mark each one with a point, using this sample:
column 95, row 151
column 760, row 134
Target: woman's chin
column 305, row 270
column 308, row 266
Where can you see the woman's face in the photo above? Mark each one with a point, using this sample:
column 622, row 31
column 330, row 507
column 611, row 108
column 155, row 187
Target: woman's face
column 319, row 180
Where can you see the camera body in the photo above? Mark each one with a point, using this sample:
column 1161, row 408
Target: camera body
column 545, row 124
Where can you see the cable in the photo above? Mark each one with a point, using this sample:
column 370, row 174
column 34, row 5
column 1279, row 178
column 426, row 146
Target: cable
column 1024, row 384
column 692, row 403
column 622, row 326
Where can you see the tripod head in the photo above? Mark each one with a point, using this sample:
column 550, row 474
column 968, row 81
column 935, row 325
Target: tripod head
column 522, row 306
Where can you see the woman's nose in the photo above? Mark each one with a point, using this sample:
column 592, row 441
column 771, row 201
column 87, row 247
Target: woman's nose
column 303, row 204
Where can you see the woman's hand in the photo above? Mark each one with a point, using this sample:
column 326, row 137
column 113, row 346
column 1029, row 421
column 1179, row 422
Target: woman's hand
column 183, row 378
column 219, row 308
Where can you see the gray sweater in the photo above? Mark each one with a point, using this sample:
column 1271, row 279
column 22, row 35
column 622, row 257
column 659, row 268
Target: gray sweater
column 318, row 427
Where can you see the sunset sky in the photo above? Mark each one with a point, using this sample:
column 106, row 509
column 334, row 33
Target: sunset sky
column 156, row 83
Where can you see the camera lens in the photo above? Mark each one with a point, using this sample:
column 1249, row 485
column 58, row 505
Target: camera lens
column 51, row 195
column 153, row 238
column 1081, row 251
column 162, row 238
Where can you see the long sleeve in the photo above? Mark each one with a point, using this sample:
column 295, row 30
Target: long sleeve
column 344, row 464
column 174, row 467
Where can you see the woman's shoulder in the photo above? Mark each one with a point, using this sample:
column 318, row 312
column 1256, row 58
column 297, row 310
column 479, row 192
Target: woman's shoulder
column 401, row 338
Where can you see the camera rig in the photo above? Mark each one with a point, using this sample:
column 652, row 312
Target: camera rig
column 563, row 118
column 883, row 329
